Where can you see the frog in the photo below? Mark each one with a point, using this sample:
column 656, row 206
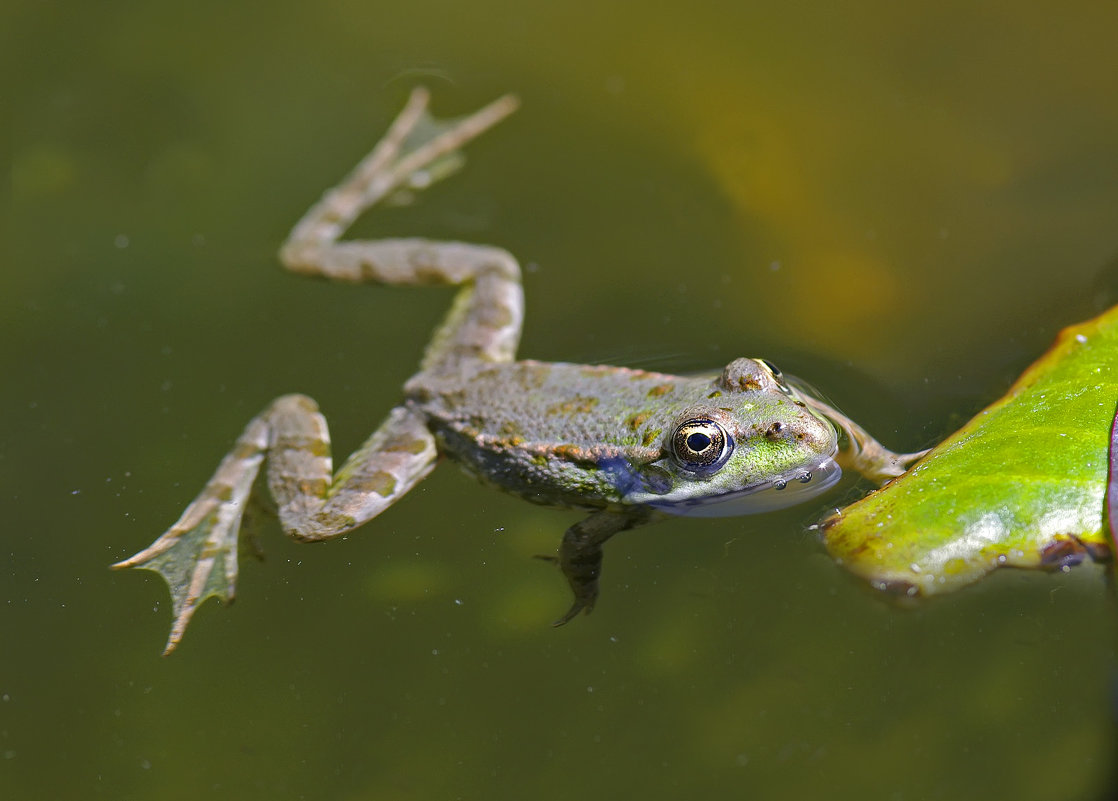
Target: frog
column 627, row 446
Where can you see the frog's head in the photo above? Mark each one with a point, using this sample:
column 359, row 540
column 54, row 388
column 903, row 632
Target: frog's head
column 750, row 445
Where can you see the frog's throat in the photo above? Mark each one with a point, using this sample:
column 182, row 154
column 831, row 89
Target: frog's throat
column 775, row 493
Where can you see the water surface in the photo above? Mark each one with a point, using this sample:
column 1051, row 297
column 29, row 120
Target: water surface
column 901, row 204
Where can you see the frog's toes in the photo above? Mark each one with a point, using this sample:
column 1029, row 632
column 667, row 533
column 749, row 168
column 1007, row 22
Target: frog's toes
column 1065, row 551
column 580, row 605
column 585, row 591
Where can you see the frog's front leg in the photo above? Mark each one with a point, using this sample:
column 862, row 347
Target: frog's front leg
column 198, row 555
column 580, row 554
column 862, row 453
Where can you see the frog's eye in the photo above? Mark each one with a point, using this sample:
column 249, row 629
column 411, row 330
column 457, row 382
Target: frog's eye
column 774, row 371
column 701, row 445
column 778, row 377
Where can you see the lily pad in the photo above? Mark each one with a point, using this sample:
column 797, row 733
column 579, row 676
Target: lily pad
column 1023, row 484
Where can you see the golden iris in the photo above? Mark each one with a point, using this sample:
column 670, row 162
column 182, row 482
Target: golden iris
column 701, row 445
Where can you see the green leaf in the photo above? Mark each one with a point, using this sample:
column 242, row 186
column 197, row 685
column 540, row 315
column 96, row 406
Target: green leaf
column 1112, row 487
column 1020, row 485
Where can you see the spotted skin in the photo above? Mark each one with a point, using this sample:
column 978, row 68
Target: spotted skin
column 606, row 439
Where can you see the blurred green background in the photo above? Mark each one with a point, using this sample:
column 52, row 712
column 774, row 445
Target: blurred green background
column 901, row 203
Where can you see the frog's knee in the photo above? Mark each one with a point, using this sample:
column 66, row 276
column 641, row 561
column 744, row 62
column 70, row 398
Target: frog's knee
column 295, row 402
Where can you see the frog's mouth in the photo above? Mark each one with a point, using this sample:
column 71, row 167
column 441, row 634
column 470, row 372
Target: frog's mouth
column 775, row 493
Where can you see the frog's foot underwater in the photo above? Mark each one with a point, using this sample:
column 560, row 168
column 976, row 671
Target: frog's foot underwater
column 628, row 444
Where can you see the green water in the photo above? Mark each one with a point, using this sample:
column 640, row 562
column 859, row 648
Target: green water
column 899, row 202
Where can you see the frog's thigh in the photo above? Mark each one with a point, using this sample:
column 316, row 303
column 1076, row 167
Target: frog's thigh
column 311, row 505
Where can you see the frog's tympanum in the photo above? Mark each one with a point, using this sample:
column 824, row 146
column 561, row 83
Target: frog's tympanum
column 629, row 446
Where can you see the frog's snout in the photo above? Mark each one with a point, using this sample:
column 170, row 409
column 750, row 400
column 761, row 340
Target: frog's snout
column 809, row 433
column 820, row 436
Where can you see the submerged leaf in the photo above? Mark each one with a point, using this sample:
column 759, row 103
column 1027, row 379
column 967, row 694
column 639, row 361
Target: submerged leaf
column 1022, row 484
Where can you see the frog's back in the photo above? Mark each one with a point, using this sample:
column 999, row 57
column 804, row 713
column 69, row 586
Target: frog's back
column 555, row 403
column 545, row 430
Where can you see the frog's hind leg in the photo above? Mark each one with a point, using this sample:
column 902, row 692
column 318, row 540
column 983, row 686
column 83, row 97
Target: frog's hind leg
column 315, row 505
column 485, row 320
column 198, row 555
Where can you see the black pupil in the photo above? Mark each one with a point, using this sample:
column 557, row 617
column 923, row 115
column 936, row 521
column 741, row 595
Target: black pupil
column 698, row 442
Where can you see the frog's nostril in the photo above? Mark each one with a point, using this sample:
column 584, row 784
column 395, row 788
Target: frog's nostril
column 773, row 431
